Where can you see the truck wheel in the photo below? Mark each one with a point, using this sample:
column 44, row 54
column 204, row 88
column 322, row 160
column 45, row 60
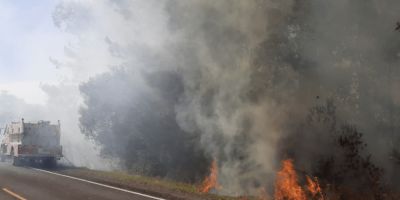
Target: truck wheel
column 16, row 161
column 50, row 163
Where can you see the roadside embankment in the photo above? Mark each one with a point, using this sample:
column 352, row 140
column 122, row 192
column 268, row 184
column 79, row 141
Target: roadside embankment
column 153, row 186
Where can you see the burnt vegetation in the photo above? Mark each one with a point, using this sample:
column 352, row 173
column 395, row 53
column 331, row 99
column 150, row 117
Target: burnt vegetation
column 340, row 157
column 242, row 77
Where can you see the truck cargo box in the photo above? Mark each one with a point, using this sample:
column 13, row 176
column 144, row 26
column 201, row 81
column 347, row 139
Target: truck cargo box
column 32, row 142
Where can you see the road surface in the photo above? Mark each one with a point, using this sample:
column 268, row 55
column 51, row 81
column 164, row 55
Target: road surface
column 23, row 183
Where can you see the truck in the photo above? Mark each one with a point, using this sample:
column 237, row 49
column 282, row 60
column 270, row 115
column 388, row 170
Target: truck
column 31, row 143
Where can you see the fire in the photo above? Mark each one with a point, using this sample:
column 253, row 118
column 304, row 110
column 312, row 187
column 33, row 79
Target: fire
column 314, row 188
column 212, row 180
column 286, row 185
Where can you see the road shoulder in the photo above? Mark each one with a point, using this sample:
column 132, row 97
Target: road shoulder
column 152, row 186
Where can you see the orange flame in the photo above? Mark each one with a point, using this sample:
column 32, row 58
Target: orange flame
column 314, row 188
column 286, row 185
column 211, row 181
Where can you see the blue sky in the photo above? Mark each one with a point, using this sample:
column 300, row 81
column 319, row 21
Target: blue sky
column 28, row 38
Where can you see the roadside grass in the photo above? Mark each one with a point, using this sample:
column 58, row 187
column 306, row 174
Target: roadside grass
column 149, row 184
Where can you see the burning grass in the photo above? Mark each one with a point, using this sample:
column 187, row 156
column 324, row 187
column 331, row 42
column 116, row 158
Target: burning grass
column 314, row 188
column 287, row 185
column 210, row 182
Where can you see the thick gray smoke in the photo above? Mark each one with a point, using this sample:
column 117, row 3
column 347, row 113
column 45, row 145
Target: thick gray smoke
column 234, row 81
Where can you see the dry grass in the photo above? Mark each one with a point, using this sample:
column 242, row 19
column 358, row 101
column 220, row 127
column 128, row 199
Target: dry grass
column 149, row 185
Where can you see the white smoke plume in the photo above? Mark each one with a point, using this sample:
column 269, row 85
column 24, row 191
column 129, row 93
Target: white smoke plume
column 237, row 77
column 250, row 70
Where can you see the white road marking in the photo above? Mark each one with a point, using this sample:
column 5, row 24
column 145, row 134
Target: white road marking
column 100, row 184
column 13, row 194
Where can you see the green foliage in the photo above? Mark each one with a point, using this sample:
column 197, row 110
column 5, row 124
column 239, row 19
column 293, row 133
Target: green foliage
column 137, row 124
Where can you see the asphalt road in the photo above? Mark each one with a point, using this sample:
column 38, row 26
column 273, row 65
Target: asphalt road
column 23, row 183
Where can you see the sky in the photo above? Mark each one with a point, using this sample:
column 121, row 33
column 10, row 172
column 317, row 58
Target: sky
column 29, row 40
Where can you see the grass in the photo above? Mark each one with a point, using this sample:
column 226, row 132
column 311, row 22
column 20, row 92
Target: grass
column 156, row 186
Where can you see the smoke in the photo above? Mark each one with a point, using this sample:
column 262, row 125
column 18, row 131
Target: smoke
column 224, row 98
column 351, row 50
column 12, row 108
column 167, row 86
column 211, row 50
column 62, row 103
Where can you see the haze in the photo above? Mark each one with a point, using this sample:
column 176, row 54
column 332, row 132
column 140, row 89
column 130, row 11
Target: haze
column 180, row 89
